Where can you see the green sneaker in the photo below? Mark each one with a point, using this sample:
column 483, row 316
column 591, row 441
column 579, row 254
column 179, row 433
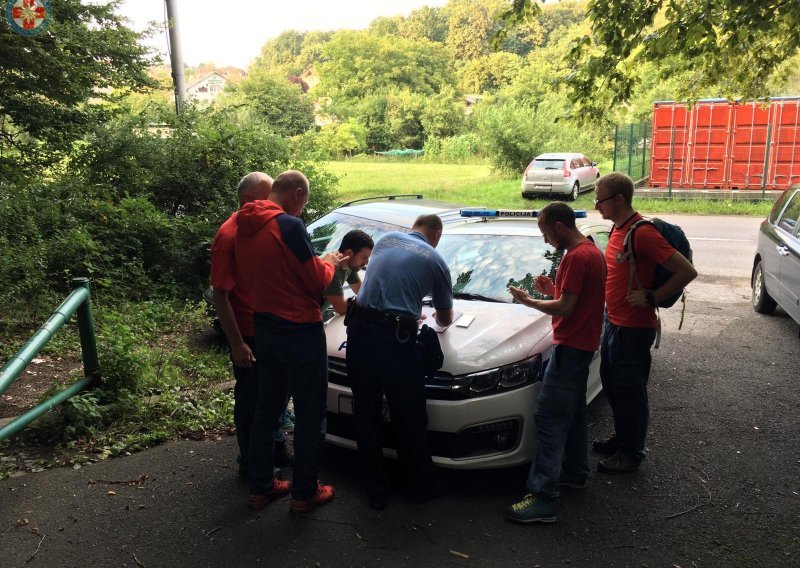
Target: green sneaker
column 532, row 510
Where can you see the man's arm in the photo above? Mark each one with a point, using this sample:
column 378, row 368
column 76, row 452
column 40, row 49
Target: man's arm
column 240, row 351
column 443, row 317
column 339, row 304
column 682, row 273
column 355, row 287
column 563, row 307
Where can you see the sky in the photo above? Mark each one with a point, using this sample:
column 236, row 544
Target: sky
column 232, row 33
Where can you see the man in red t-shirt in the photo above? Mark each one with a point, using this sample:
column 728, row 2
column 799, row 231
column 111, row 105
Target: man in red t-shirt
column 236, row 319
column 577, row 310
column 631, row 322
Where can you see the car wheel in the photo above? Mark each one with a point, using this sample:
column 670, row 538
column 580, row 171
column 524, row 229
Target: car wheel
column 762, row 301
column 576, row 189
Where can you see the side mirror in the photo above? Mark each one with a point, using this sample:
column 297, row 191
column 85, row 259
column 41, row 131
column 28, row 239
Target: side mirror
column 594, row 164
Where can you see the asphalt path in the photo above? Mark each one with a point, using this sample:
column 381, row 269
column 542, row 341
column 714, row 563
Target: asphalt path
column 720, row 486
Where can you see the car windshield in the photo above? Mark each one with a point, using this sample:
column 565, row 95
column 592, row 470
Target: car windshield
column 548, row 164
column 328, row 231
column 484, row 266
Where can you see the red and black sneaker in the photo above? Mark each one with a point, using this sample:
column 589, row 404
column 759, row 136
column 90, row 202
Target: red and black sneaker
column 261, row 500
column 323, row 495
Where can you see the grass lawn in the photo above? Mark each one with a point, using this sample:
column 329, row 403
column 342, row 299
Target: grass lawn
column 478, row 185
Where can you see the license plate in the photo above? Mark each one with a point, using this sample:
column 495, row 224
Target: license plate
column 346, row 407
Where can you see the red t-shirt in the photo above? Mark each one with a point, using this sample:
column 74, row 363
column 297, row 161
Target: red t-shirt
column 582, row 272
column 650, row 250
column 223, row 275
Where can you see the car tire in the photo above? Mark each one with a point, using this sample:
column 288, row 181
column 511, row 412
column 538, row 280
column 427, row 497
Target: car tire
column 762, row 301
column 576, row 189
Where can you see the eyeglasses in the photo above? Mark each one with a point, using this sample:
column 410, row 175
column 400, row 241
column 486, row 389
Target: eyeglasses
column 599, row 201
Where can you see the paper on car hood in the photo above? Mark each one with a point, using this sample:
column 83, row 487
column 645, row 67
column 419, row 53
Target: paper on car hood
column 500, row 334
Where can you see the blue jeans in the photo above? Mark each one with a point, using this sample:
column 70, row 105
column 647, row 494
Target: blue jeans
column 292, row 361
column 561, row 426
column 624, row 371
column 245, row 397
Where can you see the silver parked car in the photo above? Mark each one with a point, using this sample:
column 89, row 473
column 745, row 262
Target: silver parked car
column 565, row 174
column 776, row 267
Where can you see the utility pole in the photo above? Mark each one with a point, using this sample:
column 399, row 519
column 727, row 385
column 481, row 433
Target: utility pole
column 175, row 55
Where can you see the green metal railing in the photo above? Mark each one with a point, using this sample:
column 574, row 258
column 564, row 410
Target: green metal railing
column 632, row 150
column 78, row 301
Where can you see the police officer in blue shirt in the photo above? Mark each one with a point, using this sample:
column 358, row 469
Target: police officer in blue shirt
column 381, row 339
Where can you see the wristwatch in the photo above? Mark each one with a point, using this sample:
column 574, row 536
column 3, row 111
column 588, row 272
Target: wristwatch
column 650, row 298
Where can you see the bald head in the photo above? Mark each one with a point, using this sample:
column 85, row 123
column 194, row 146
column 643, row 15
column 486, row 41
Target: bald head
column 430, row 226
column 291, row 190
column 254, row 186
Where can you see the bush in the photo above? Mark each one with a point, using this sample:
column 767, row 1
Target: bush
column 452, row 150
column 512, row 134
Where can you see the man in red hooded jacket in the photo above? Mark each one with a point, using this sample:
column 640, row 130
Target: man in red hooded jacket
column 283, row 278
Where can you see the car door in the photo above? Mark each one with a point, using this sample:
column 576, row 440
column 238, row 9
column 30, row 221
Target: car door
column 586, row 171
column 789, row 250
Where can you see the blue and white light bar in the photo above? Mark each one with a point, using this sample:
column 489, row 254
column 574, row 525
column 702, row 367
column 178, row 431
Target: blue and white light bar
column 515, row 213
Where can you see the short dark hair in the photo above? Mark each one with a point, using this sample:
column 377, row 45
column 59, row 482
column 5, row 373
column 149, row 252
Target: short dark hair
column 556, row 212
column 431, row 221
column 289, row 180
column 618, row 184
column 356, row 240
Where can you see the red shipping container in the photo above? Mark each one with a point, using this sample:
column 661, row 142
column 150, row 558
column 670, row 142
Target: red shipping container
column 719, row 144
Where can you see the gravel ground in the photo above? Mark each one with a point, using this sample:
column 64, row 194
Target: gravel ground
column 719, row 488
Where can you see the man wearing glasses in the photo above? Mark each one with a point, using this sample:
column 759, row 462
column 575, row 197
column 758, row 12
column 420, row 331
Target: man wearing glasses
column 630, row 323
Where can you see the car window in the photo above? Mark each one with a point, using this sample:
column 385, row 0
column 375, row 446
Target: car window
column 548, row 164
column 486, row 265
column 327, row 232
column 576, row 164
column 586, row 161
column 600, row 238
column 789, row 219
column 778, row 207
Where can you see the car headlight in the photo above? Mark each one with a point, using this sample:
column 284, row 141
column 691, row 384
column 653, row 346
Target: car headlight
column 483, row 383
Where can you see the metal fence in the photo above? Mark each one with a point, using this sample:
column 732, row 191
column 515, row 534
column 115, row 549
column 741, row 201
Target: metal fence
column 78, row 301
column 632, row 150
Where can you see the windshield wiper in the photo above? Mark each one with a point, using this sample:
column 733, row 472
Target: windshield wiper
column 466, row 296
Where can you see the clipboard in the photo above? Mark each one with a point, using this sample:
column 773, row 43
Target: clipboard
column 430, row 321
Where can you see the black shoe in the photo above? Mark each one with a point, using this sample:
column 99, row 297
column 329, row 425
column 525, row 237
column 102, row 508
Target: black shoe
column 284, row 454
column 378, row 500
column 607, row 447
column 620, row 462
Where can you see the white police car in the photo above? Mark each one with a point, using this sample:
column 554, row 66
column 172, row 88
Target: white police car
column 481, row 403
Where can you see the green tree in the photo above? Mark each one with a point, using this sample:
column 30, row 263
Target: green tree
column 360, row 64
column 339, row 138
column 471, row 24
column 443, row 114
column 54, row 85
column 275, row 101
column 427, row 23
column 489, row 73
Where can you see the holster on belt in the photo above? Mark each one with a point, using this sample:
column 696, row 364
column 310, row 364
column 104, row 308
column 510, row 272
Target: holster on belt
column 405, row 325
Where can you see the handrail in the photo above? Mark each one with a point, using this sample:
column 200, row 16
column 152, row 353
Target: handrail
column 79, row 301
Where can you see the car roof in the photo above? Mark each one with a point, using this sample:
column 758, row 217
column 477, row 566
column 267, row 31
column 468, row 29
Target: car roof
column 402, row 211
column 558, row 156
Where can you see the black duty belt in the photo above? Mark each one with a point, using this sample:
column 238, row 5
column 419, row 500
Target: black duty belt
column 405, row 325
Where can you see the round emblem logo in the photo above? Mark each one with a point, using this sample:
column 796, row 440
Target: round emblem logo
column 28, row 17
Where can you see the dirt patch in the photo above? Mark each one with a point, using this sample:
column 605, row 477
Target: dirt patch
column 40, row 375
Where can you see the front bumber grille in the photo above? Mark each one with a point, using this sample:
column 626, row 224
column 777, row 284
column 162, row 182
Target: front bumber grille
column 481, row 440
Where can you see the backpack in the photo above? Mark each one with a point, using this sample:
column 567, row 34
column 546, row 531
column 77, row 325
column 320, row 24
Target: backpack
column 675, row 236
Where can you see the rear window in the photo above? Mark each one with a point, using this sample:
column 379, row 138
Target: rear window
column 548, row 164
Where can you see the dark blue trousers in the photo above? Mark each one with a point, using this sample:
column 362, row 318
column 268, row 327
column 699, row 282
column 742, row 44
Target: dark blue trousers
column 624, row 370
column 377, row 364
column 292, row 360
column 245, row 398
column 561, row 427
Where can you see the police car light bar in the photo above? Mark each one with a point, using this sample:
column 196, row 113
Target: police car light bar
column 529, row 214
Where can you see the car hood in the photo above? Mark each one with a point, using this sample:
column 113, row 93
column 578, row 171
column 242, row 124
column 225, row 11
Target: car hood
column 499, row 335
